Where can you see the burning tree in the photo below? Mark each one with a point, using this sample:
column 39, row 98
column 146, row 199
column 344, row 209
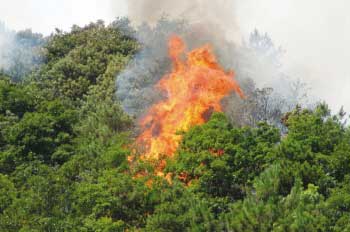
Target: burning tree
column 194, row 90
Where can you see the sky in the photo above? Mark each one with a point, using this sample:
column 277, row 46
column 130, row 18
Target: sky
column 314, row 33
column 316, row 37
column 45, row 15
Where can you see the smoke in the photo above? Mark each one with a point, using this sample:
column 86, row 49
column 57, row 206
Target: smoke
column 135, row 85
column 217, row 16
column 315, row 34
column 6, row 44
column 197, row 22
column 20, row 52
column 257, row 61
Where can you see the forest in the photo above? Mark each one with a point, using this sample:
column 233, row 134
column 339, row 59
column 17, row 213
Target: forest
column 65, row 145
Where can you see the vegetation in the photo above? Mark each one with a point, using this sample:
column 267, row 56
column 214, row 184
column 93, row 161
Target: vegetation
column 64, row 146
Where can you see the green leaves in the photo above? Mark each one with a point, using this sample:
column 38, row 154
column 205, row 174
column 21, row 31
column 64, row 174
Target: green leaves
column 265, row 210
column 223, row 159
column 38, row 134
column 7, row 192
column 75, row 61
column 14, row 98
column 65, row 142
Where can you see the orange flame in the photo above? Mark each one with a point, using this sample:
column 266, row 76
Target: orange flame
column 194, row 90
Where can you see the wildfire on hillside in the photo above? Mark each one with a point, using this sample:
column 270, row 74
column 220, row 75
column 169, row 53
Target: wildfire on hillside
column 194, row 90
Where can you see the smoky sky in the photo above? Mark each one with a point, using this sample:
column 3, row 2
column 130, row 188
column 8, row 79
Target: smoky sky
column 314, row 33
column 217, row 15
column 44, row 16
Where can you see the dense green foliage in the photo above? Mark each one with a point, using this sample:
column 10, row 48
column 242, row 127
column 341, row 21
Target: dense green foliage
column 64, row 146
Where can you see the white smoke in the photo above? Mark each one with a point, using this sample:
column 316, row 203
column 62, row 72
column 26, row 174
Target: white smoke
column 218, row 16
column 315, row 34
column 20, row 52
column 198, row 22
column 6, row 45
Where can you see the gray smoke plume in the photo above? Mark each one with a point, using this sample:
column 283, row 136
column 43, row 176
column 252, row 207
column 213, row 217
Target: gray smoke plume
column 218, row 16
column 135, row 86
column 197, row 22
column 256, row 62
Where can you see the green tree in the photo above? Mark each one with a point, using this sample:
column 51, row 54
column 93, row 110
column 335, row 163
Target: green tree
column 75, row 61
column 219, row 159
column 265, row 210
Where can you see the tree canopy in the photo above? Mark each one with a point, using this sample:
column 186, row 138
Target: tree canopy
column 64, row 148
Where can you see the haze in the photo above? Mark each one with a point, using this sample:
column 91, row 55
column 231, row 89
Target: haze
column 315, row 33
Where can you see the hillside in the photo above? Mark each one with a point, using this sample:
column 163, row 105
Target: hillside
column 65, row 146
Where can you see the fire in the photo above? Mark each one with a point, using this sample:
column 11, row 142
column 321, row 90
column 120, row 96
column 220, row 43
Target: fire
column 194, row 90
